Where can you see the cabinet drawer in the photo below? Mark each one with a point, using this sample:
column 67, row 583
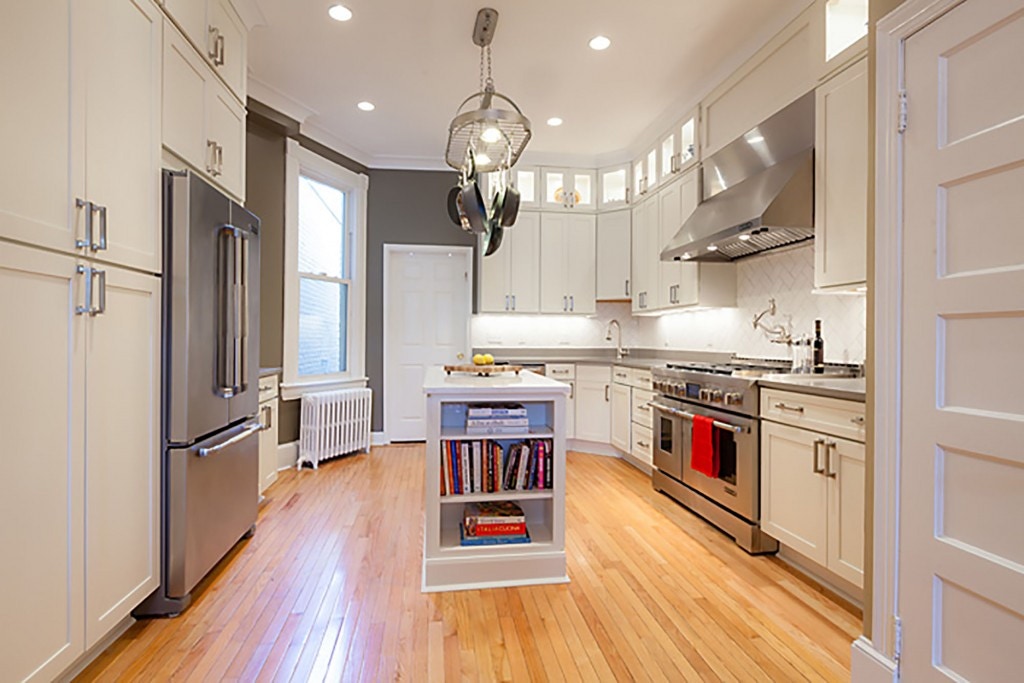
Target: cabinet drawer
column 642, row 379
column 621, row 374
column 822, row 414
column 594, row 373
column 268, row 388
column 560, row 370
column 641, row 446
column 642, row 411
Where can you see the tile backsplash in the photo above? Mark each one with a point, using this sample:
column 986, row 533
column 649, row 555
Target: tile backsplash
column 786, row 275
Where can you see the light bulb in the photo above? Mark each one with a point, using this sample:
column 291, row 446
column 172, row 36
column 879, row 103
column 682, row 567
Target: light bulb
column 490, row 134
column 482, row 159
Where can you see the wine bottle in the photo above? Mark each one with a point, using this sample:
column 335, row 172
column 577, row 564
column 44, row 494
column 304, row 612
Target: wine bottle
column 819, row 349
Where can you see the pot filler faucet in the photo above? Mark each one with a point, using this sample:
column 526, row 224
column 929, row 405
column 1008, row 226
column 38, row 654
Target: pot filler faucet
column 619, row 351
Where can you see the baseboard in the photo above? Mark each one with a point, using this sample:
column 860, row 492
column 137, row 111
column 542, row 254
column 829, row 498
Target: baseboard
column 868, row 665
column 821, row 575
column 636, row 462
column 594, row 447
column 287, row 455
column 87, row 658
column 379, row 439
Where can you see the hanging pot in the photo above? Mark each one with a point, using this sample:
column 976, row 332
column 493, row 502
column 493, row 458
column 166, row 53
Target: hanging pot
column 453, row 206
column 493, row 239
column 474, row 211
column 509, row 207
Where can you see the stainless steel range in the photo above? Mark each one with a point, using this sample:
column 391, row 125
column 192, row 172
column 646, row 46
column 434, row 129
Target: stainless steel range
column 728, row 395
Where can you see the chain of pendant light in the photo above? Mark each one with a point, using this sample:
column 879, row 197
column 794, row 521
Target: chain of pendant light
column 488, row 83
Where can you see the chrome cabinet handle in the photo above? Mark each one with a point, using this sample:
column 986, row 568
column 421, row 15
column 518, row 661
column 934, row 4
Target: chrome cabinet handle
column 87, row 242
column 211, row 156
column 795, row 409
column 267, row 418
column 506, row 302
column 102, row 244
column 818, row 443
column 219, row 61
column 607, row 397
column 572, row 303
column 565, row 303
column 214, row 41
column 237, row 438
column 220, row 159
column 102, row 308
column 627, row 286
column 643, row 444
column 830, row 450
column 513, row 302
column 87, row 307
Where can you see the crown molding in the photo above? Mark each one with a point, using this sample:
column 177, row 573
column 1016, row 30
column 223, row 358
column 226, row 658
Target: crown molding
column 275, row 99
column 250, row 12
column 327, row 138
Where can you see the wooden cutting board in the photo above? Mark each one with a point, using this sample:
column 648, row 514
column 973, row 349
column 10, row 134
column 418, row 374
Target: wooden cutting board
column 483, row 370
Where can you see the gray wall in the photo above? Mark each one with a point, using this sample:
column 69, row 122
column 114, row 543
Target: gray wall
column 404, row 207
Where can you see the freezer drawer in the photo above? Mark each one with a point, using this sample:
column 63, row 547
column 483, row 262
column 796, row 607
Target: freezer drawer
column 211, row 498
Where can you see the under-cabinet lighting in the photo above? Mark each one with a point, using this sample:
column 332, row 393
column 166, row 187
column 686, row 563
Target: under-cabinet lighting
column 712, row 247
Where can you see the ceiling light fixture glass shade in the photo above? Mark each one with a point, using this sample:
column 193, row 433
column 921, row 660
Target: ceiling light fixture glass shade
column 487, row 122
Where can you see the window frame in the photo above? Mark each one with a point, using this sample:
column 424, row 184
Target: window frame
column 303, row 162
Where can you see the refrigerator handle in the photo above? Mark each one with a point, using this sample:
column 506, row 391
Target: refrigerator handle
column 242, row 310
column 226, row 333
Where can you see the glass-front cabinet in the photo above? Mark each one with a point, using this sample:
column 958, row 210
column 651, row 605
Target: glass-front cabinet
column 566, row 188
column 846, row 30
column 678, row 149
column 614, row 187
column 523, row 178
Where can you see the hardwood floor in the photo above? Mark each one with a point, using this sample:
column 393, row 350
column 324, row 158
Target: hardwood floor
column 329, row 589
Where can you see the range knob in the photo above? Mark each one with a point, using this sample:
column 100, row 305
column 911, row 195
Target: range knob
column 734, row 399
column 705, row 394
column 716, row 395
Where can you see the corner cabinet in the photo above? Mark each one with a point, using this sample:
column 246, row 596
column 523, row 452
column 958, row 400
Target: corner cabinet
column 568, row 252
column 841, row 179
column 448, row 564
column 509, row 282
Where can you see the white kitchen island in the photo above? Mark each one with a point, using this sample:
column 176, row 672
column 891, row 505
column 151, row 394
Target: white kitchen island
column 449, row 565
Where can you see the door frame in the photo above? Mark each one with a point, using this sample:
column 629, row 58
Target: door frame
column 876, row 657
column 389, row 248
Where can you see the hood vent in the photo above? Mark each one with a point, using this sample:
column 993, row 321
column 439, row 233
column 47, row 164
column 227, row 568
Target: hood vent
column 758, row 192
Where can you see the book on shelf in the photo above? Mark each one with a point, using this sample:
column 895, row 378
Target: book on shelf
column 466, row 539
column 496, row 429
column 498, row 422
column 493, row 512
column 486, row 466
column 496, row 411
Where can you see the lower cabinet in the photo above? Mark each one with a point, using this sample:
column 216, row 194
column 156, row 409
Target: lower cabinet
column 621, row 416
column 80, row 425
column 812, row 496
column 269, row 432
column 593, row 403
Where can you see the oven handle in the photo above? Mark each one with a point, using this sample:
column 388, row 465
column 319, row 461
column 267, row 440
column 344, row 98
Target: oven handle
column 689, row 416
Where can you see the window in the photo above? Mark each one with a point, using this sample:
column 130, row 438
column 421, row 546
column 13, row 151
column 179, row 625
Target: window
column 324, row 274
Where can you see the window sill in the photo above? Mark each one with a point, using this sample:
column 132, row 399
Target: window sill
column 293, row 391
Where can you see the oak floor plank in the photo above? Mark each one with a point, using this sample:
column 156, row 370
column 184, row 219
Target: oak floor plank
column 329, row 590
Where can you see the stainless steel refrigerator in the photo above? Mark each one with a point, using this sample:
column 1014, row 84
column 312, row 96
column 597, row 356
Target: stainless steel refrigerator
column 210, row 380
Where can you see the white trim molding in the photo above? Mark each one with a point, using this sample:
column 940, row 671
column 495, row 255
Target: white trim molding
column 287, row 455
column 868, row 665
column 379, row 439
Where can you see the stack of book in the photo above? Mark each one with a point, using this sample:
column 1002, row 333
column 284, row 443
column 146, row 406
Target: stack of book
column 497, row 419
column 488, row 467
column 495, row 523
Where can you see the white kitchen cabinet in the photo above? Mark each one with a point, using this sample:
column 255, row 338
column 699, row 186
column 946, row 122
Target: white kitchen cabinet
column 642, row 448
column 570, row 411
column 613, row 186
column 621, row 416
column 846, row 473
column 645, row 256
column 675, row 204
column 593, row 402
column 646, row 175
column 568, row 252
column 677, row 150
column 216, row 32
column 269, row 433
column 841, row 179
column 566, row 188
column 509, row 282
column 613, row 255
column 88, row 156
column 846, row 31
column 87, row 466
column 202, row 123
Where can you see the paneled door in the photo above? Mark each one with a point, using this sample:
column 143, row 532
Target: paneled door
column 427, row 305
column 961, row 540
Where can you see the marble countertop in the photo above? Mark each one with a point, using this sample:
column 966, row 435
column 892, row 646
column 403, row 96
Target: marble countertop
column 267, row 372
column 848, row 388
column 437, row 381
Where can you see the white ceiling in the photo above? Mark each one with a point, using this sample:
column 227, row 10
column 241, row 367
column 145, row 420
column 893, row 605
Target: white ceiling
column 416, row 61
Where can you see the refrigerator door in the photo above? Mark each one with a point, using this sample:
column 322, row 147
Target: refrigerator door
column 211, row 502
column 244, row 401
column 197, row 215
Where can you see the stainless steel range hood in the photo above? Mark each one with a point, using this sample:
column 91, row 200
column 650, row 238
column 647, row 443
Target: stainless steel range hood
column 758, row 192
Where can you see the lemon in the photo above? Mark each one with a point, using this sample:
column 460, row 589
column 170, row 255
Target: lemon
column 488, row 359
column 478, row 359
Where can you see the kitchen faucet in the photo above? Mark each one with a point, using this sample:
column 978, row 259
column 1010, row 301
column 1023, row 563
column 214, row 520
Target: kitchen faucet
column 619, row 351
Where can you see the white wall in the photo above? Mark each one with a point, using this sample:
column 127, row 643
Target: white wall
column 787, row 275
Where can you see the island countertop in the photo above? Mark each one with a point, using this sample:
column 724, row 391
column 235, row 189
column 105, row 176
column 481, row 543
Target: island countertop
column 438, row 382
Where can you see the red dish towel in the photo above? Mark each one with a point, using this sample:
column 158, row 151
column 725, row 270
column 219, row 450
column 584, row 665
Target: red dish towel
column 704, row 447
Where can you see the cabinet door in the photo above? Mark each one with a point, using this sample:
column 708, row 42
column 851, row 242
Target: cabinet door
column 495, row 296
column 570, row 412
column 621, row 417
column 841, row 179
column 37, row 195
column 229, row 56
column 122, row 449
column 524, row 261
column 526, row 179
column 686, row 275
column 41, row 419
column 226, row 128
column 555, row 188
column 583, row 190
column 268, row 444
column 190, row 15
column 580, row 258
column 845, row 469
column 638, row 273
column 122, row 49
column 613, row 186
column 794, row 507
column 646, row 259
column 613, row 255
column 593, row 411
column 554, row 286
column 669, row 204
column 184, row 100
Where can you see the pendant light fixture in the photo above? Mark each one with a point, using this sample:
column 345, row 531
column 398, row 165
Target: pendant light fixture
column 487, row 125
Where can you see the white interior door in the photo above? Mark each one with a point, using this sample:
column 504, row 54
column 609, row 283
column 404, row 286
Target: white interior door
column 961, row 554
column 427, row 307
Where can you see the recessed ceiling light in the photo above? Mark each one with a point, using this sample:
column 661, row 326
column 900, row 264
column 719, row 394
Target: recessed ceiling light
column 490, row 134
column 339, row 12
column 554, row 121
column 366, row 106
column 600, row 43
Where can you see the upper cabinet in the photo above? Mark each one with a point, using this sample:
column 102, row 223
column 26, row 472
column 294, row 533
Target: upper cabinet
column 508, row 277
column 613, row 186
column 841, row 179
column 613, row 255
column 646, row 174
column 218, row 34
column 566, row 188
column 567, row 263
column 678, row 149
column 846, row 31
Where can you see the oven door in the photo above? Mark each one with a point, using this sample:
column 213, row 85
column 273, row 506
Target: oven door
column 669, row 433
column 738, row 482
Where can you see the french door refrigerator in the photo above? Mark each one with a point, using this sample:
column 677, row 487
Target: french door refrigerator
column 210, row 395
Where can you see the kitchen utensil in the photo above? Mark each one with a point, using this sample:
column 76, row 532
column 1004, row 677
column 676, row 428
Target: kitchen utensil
column 453, row 207
column 493, row 240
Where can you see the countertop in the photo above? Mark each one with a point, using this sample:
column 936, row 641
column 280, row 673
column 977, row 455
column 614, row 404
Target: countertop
column 267, row 372
column 847, row 388
column 438, row 381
